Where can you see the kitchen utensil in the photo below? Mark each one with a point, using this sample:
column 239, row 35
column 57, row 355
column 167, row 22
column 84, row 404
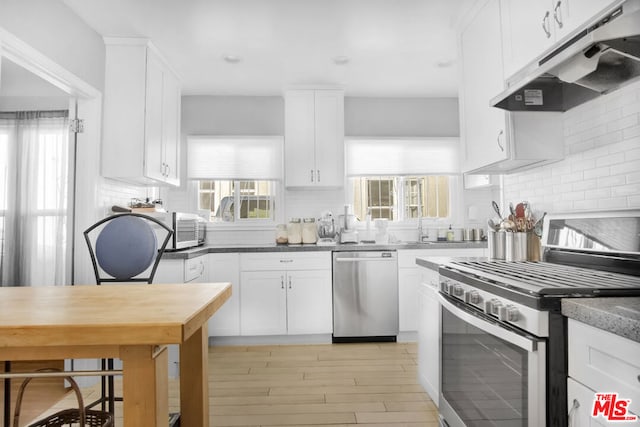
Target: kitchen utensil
column 496, row 208
column 520, row 210
column 537, row 227
column 511, row 209
column 492, row 225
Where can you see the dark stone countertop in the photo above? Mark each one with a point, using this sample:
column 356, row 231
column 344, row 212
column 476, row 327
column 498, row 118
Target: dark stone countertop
column 203, row 250
column 618, row 315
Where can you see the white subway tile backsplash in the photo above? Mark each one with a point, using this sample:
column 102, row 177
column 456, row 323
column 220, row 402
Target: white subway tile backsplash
column 601, row 169
column 611, row 181
column 597, row 172
column 622, row 123
column 634, row 177
column 625, row 190
column 610, row 159
column 613, row 203
column 632, row 154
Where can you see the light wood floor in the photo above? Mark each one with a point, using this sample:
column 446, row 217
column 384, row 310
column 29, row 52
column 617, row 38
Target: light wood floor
column 319, row 385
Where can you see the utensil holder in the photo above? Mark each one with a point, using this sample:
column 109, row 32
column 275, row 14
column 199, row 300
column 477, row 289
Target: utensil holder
column 516, row 246
column 534, row 248
column 496, row 241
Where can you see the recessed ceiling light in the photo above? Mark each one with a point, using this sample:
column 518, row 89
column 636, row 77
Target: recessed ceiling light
column 341, row 60
column 231, row 59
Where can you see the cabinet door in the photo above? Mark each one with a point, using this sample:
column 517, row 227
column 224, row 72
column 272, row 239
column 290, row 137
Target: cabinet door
column 429, row 335
column 171, row 129
column 154, row 165
column 263, row 303
column 299, row 138
column 574, row 13
column 329, row 138
column 408, row 281
column 309, row 302
column 579, row 405
column 524, row 37
column 225, row 267
column 483, row 127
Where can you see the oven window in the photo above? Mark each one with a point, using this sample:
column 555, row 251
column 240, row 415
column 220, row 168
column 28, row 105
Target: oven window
column 484, row 379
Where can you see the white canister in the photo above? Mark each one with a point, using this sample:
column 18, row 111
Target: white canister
column 294, row 231
column 458, row 235
column 309, row 234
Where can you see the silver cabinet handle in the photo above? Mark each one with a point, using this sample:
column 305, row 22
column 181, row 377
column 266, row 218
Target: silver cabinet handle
column 311, row 175
column 574, row 407
column 498, row 140
column 546, row 25
column 289, row 282
column 168, row 170
column 557, row 14
column 318, row 174
column 281, row 282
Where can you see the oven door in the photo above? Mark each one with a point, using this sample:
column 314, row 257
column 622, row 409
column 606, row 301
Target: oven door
column 492, row 374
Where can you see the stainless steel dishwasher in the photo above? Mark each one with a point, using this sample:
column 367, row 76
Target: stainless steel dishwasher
column 365, row 296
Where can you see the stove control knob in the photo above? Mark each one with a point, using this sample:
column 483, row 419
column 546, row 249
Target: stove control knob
column 509, row 313
column 492, row 306
column 458, row 290
column 472, row 297
column 444, row 286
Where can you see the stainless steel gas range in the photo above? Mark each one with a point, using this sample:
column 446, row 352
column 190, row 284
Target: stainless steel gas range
column 503, row 356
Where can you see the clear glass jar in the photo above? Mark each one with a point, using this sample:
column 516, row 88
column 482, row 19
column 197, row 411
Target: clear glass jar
column 309, row 233
column 282, row 236
column 294, row 231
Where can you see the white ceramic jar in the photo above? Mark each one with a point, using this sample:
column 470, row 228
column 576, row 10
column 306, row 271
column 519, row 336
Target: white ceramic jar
column 309, row 234
column 294, row 231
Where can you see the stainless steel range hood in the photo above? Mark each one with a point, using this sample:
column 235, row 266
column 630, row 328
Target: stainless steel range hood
column 595, row 59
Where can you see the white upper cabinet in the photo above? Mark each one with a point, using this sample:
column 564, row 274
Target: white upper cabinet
column 483, row 128
column 496, row 141
column 141, row 137
column 314, row 138
column 532, row 26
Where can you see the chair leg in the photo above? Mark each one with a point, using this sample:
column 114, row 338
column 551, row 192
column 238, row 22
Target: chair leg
column 111, row 389
column 103, row 387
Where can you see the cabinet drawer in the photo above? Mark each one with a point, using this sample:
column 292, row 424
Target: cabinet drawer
column 605, row 362
column 194, row 268
column 273, row 261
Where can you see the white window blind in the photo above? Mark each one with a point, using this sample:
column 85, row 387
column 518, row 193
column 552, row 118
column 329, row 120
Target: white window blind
column 402, row 156
column 234, row 157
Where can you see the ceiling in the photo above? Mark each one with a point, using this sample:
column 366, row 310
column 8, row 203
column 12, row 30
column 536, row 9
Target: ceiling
column 395, row 48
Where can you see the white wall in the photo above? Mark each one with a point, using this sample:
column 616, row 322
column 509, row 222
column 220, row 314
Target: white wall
column 601, row 169
column 53, row 29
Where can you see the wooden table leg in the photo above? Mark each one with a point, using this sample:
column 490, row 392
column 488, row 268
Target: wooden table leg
column 145, row 391
column 194, row 379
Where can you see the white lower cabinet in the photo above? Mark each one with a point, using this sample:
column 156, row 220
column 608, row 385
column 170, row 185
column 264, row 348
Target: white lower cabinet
column 285, row 293
column 600, row 362
column 225, row 267
column 429, row 334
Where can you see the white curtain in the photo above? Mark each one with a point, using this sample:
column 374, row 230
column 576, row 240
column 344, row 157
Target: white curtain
column 35, row 159
column 235, row 157
column 402, row 156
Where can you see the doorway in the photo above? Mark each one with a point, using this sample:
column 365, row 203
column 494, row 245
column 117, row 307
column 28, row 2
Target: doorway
column 36, row 173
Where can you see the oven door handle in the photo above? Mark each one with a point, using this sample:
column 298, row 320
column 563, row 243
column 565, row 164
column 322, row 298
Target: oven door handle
column 529, row 344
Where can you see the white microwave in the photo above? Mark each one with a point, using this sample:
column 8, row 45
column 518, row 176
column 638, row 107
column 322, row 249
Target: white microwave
column 189, row 230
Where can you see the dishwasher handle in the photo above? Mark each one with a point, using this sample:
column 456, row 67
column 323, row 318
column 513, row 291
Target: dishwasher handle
column 354, row 259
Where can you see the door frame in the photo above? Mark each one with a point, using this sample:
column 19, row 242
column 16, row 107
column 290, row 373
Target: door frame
column 88, row 100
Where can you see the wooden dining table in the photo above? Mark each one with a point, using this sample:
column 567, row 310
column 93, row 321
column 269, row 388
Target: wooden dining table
column 132, row 322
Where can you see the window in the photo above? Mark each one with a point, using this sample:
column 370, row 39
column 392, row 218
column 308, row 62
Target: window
column 402, row 179
column 255, row 198
column 399, row 198
column 237, row 177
